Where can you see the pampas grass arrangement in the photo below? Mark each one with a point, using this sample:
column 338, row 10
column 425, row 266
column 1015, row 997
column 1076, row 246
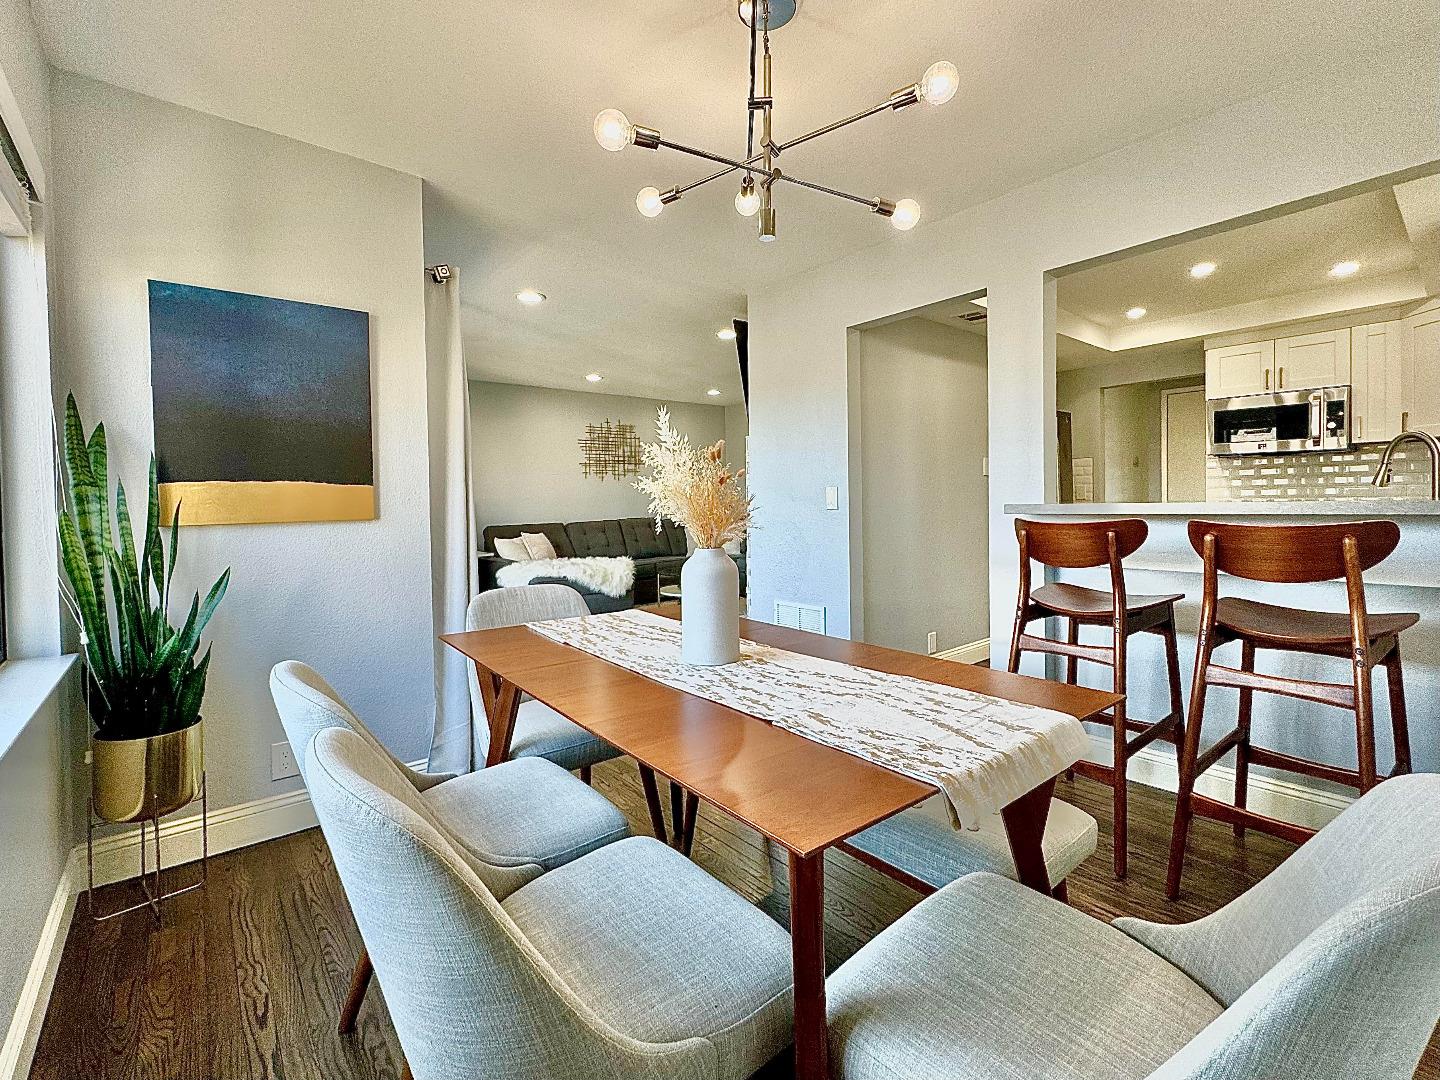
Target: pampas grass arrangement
column 694, row 487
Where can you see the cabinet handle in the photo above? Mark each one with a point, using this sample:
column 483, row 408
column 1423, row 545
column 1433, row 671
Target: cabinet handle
column 1282, row 377
column 1267, row 378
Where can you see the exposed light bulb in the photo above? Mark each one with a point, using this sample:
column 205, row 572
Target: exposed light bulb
column 1202, row 269
column 530, row 297
column 1135, row 313
column 648, row 202
column 939, row 83
column 747, row 199
column 1344, row 269
column 613, row 130
column 907, row 213
column 728, row 334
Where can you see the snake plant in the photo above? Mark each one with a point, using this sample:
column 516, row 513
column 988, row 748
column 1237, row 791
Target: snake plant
column 144, row 679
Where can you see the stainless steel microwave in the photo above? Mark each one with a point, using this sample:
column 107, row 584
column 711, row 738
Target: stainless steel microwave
column 1283, row 423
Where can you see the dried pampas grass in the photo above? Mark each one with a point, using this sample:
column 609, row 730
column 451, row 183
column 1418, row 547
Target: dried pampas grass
column 694, row 487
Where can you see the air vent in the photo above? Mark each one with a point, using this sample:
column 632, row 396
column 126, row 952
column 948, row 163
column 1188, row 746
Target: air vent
column 809, row 617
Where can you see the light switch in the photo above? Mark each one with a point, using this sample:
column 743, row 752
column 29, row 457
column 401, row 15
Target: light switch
column 832, row 498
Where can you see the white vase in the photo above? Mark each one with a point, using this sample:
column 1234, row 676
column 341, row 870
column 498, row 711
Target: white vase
column 710, row 608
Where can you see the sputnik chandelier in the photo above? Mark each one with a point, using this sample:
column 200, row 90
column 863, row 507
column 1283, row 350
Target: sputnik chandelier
column 614, row 131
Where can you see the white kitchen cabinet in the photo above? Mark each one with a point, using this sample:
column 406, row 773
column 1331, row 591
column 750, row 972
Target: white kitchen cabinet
column 1420, row 362
column 1377, row 381
column 1313, row 360
column 1240, row 369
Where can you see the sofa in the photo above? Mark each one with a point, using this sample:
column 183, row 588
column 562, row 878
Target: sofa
column 655, row 554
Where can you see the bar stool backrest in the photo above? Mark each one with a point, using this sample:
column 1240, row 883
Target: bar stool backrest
column 1074, row 545
column 1294, row 553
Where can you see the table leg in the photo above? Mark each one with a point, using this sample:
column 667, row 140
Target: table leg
column 652, row 802
column 807, row 958
column 1025, row 826
column 502, row 703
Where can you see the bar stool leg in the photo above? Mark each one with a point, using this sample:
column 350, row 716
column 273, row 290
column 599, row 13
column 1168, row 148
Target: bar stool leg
column 1072, row 671
column 1398, row 717
column 1242, row 748
column 1180, row 832
column 1365, row 725
column 1121, row 761
column 1177, row 695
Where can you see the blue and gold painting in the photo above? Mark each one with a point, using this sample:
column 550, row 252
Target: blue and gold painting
column 262, row 408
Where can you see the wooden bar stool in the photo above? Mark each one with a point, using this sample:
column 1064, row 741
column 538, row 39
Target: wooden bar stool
column 1078, row 545
column 1291, row 554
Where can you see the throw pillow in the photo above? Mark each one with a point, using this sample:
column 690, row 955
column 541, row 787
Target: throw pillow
column 539, row 545
column 513, row 549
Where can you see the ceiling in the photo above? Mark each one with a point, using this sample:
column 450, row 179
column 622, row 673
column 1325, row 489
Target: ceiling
column 492, row 105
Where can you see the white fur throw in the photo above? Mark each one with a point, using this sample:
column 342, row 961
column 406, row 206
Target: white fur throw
column 611, row 576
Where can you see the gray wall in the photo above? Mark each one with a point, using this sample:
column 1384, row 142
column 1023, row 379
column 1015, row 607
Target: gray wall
column 151, row 190
column 1081, row 392
column 526, row 451
column 922, row 438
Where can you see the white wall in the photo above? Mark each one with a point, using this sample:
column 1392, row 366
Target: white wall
column 1080, row 392
column 1298, row 141
column 150, row 190
column 525, row 443
column 25, row 89
column 921, row 433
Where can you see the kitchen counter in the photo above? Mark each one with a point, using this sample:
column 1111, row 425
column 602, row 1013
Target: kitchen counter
column 1309, row 508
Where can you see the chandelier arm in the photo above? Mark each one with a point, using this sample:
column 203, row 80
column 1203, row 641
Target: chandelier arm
column 871, row 203
column 708, row 156
column 888, row 103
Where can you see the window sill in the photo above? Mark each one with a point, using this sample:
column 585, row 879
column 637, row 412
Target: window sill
column 26, row 685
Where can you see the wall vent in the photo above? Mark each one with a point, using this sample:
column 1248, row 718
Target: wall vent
column 809, row 617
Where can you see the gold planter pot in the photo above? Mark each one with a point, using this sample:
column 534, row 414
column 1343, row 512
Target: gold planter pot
column 135, row 779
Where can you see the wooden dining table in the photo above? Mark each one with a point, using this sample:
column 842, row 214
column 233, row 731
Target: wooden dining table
column 802, row 795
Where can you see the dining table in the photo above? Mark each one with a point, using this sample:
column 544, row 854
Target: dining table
column 803, row 795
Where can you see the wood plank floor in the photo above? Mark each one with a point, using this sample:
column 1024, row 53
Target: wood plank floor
column 243, row 979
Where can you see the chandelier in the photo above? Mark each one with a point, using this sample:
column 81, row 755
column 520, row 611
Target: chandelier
column 614, row 131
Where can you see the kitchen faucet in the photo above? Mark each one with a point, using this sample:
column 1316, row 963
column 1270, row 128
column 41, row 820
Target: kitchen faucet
column 1382, row 473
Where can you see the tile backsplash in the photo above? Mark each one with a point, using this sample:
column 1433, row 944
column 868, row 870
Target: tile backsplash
column 1335, row 475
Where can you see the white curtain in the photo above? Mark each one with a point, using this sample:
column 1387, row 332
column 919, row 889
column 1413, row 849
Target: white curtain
column 454, row 572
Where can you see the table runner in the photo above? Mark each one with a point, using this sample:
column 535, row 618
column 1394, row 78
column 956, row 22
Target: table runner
column 982, row 752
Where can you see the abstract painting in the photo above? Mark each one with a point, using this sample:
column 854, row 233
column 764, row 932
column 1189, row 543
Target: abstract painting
column 610, row 450
column 262, row 408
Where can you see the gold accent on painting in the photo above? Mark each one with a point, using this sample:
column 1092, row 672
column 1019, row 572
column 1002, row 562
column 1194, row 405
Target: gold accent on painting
column 263, row 502
column 147, row 778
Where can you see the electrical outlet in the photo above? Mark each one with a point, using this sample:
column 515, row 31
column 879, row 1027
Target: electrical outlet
column 282, row 762
column 832, row 498
column 931, row 647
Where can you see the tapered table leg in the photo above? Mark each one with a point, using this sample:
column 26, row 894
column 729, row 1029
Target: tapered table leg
column 502, row 703
column 652, row 802
column 1025, row 826
column 807, row 958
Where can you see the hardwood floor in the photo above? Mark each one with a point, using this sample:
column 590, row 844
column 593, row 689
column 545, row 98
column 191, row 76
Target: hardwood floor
column 244, row 979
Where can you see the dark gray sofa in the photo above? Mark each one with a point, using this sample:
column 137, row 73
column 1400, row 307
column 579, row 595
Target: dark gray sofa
column 654, row 553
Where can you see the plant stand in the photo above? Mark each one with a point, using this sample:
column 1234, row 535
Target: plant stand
column 152, row 885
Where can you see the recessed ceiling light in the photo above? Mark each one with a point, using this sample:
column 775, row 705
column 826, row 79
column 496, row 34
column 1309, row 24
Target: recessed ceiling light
column 594, row 376
column 1135, row 313
column 1344, row 269
column 1202, row 269
column 713, row 392
column 728, row 334
column 530, row 296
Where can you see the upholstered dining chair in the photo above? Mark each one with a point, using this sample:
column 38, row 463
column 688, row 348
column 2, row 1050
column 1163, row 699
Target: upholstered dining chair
column 517, row 820
column 539, row 730
column 677, row 977
column 1329, row 969
column 929, row 852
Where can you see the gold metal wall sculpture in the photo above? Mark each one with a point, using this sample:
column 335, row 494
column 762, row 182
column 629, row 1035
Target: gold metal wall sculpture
column 610, row 450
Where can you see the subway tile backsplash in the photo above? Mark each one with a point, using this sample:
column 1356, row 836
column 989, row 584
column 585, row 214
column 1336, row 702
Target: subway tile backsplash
column 1336, row 475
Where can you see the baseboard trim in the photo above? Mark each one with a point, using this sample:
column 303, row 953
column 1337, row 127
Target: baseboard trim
column 977, row 652
column 18, row 1051
column 1273, row 796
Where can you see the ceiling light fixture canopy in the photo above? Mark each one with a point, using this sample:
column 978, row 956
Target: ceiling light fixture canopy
column 614, row 131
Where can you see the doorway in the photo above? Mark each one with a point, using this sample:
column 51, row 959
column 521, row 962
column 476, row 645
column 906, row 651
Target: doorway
column 1183, row 443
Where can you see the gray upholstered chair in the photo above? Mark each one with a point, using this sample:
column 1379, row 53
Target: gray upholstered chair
column 539, row 730
column 517, row 820
column 628, row 962
column 1329, row 969
column 923, row 843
